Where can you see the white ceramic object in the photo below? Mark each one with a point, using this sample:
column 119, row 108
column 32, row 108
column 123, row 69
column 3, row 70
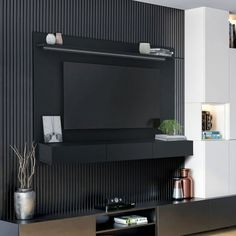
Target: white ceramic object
column 51, row 39
column 59, row 39
column 144, row 48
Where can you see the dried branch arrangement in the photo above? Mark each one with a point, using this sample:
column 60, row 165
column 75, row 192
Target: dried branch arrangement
column 26, row 167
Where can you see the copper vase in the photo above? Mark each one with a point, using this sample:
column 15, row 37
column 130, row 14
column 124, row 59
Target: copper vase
column 187, row 183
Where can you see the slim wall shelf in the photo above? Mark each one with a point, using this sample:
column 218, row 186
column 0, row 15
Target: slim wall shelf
column 68, row 49
column 92, row 152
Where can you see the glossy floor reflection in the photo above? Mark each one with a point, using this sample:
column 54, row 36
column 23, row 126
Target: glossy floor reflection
column 225, row 232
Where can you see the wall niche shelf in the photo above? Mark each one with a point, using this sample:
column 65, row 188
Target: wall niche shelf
column 232, row 18
column 220, row 119
column 136, row 56
column 232, row 24
column 101, row 152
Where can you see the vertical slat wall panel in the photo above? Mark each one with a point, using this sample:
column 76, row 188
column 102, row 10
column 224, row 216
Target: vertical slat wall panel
column 1, row 106
column 77, row 188
column 179, row 90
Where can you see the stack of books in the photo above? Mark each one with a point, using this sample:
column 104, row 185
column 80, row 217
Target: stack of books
column 232, row 36
column 130, row 220
column 211, row 135
column 161, row 52
column 165, row 137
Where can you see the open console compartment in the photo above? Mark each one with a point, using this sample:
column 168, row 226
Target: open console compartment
column 105, row 223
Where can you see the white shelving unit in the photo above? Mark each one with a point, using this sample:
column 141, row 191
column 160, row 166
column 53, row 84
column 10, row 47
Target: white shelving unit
column 232, row 89
column 209, row 78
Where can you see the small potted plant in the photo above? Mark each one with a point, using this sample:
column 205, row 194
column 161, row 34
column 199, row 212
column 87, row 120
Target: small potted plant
column 24, row 197
column 170, row 127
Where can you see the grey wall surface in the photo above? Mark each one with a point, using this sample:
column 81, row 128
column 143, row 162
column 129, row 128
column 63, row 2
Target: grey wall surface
column 118, row 20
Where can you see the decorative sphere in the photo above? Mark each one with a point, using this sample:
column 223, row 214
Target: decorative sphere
column 51, row 39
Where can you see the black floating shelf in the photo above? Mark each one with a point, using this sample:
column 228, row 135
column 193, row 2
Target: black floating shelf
column 90, row 152
column 135, row 56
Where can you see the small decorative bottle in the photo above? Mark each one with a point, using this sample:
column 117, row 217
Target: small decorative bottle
column 187, row 183
column 59, row 39
column 178, row 189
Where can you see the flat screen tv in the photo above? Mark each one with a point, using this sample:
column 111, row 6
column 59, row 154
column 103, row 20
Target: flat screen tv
column 110, row 97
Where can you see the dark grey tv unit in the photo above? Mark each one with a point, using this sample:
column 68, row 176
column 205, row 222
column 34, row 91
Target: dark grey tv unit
column 164, row 219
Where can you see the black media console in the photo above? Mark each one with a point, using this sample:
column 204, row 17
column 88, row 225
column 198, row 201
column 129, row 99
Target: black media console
column 164, row 219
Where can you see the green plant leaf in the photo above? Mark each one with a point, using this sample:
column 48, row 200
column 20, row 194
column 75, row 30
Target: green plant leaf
column 170, row 127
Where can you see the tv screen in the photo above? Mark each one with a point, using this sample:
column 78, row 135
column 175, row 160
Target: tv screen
column 110, row 97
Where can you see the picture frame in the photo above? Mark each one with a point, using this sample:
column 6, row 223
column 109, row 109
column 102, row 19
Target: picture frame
column 52, row 129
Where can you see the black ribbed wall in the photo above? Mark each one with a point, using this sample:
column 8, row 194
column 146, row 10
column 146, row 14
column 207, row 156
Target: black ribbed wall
column 72, row 188
column 78, row 188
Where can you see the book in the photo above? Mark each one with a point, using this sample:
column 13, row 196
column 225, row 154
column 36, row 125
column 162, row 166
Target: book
column 211, row 135
column 129, row 220
column 161, row 52
column 165, row 137
column 125, row 220
column 139, row 219
column 232, row 35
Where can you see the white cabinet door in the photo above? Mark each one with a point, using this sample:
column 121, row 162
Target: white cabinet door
column 197, row 165
column 217, row 168
column 216, row 56
column 232, row 167
column 232, row 70
column 193, row 121
column 194, row 55
column 206, row 56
